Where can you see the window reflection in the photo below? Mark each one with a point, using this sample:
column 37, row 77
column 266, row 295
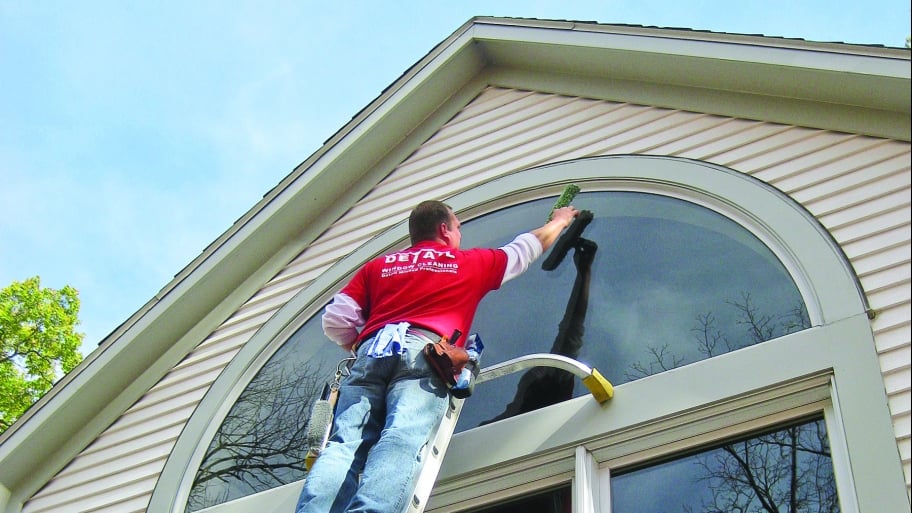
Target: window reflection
column 261, row 444
column 787, row 470
column 671, row 283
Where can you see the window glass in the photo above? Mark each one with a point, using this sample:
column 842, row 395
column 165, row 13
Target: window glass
column 662, row 283
column 261, row 444
column 555, row 501
column 786, row 470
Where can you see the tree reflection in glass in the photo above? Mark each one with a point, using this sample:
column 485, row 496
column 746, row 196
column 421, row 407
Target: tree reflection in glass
column 261, row 444
column 785, row 471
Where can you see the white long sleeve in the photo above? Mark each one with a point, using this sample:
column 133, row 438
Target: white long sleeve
column 521, row 252
column 342, row 319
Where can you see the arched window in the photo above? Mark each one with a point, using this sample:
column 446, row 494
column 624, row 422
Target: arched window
column 700, row 292
column 667, row 283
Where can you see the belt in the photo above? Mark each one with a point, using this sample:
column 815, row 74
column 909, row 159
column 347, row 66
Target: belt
column 425, row 333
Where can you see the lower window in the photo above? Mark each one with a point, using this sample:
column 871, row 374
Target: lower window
column 787, row 470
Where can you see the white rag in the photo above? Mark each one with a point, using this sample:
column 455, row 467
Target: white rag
column 388, row 341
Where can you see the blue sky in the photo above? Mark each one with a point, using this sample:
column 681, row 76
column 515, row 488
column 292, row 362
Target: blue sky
column 132, row 134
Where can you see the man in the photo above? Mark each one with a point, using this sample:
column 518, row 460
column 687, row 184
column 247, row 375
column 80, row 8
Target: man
column 392, row 402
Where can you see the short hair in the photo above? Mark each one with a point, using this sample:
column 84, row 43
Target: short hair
column 425, row 218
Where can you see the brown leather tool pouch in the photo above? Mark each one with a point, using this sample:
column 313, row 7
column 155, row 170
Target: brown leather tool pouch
column 446, row 359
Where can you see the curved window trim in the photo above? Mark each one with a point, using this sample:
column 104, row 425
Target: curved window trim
column 821, row 271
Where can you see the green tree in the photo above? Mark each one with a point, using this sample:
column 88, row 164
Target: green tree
column 38, row 343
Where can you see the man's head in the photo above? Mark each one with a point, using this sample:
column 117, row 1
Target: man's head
column 434, row 220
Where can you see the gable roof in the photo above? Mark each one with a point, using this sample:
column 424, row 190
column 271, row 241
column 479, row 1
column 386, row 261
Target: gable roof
column 836, row 86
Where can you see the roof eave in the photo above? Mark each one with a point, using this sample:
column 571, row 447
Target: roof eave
column 833, row 86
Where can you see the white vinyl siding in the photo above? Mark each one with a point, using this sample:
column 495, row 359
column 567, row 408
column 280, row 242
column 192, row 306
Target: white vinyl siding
column 858, row 187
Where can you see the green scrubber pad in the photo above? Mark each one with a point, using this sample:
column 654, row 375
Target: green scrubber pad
column 566, row 197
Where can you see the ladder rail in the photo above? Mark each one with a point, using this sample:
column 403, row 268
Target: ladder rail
column 432, row 457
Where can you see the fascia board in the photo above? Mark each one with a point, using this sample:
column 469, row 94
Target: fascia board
column 715, row 70
column 728, row 47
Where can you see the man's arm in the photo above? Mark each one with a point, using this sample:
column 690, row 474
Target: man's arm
column 550, row 231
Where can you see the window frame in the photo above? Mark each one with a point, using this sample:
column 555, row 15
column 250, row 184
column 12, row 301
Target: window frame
column 830, row 368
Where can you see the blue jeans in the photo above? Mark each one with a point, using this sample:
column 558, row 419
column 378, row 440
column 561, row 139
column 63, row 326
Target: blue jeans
column 388, row 408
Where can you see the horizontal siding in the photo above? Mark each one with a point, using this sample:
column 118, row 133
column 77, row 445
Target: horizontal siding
column 110, row 497
column 858, row 187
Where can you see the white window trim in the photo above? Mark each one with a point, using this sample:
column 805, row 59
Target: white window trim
column 586, row 492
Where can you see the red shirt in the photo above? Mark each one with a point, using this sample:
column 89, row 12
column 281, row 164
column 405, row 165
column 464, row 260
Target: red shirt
column 428, row 285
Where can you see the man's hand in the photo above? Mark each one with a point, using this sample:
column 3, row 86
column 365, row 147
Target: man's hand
column 564, row 213
column 550, row 231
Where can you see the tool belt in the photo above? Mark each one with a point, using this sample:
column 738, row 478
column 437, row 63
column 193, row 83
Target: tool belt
column 446, row 358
